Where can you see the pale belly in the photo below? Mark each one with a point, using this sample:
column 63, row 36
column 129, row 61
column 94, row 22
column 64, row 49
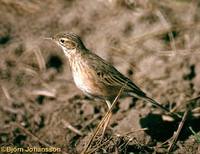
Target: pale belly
column 94, row 88
column 82, row 83
column 88, row 83
column 91, row 85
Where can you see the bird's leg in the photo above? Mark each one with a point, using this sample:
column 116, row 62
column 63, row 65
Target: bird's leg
column 108, row 104
column 108, row 117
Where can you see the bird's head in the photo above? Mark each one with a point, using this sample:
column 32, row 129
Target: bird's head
column 69, row 42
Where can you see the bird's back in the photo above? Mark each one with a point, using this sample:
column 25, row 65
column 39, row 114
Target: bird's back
column 109, row 76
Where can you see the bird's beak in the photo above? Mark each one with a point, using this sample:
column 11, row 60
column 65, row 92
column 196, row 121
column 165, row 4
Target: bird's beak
column 52, row 39
column 48, row 38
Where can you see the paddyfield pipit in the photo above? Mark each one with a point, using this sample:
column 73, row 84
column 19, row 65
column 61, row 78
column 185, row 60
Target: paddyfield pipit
column 93, row 75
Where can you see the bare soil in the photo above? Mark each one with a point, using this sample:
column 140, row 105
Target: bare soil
column 155, row 43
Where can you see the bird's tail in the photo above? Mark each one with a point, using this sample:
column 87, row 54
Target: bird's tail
column 150, row 100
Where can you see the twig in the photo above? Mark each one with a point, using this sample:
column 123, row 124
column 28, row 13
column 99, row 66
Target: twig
column 197, row 136
column 197, row 109
column 163, row 31
column 28, row 70
column 178, row 52
column 165, row 142
column 40, row 59
column 170, row 34
column 124, row 145
column 32, row 135
column 7, row 95
column 103, row 120
column 35, row 137
column 5, row 91
column 131, row 132
column 45, row 92
column 176, row 134
column 69, row 126
column 104, row 143
column 187, row 102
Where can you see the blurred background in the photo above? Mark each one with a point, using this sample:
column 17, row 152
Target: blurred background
column 154, row 43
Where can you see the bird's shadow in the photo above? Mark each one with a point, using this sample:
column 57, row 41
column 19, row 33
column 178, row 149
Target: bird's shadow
column 162, row 130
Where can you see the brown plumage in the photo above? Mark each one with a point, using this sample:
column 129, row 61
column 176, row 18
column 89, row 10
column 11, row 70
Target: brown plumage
column 93, row 75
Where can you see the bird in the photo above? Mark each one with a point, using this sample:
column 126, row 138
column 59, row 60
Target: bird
column 95, row 76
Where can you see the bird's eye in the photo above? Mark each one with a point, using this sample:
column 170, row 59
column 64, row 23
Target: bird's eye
column 62, row 41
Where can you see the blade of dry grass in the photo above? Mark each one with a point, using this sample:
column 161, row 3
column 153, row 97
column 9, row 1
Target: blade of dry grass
column 7, row 94
column 187, row 102
column 177, row 133
column 168, row 25
column 103, row 121
column 40, row 59
column 149, row 35
column 44, row 93
column 131, row 132
column 181, row 52
column 27, row 132
column 99, row 146
column 197, row 136
column 70, row 127
column 31, row 135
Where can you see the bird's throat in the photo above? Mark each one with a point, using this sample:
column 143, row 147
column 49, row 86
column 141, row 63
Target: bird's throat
column 69, row 53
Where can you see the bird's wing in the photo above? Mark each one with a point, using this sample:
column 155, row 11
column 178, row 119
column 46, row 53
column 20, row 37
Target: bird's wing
column 112, row 77
column 115, row 78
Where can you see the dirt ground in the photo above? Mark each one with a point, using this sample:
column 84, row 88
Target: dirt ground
column 155, row 43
